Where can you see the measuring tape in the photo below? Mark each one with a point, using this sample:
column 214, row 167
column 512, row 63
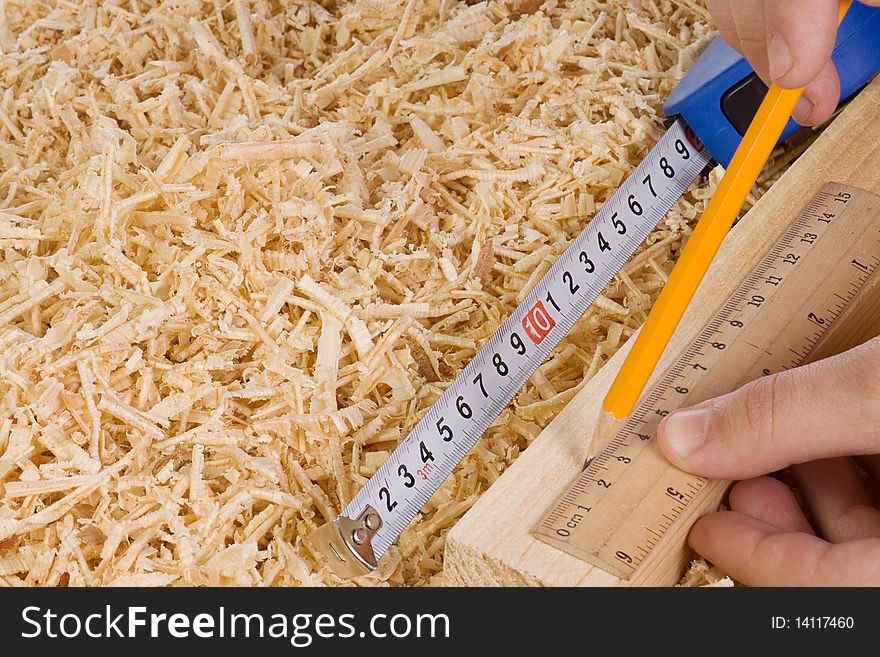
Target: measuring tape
column 395, row 494
column 621, row 507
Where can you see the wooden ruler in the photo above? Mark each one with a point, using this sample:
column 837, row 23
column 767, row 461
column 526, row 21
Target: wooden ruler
column 627, row 510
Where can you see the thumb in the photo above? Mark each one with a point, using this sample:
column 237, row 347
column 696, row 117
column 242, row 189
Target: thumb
column 825, row 409
column 800, row 36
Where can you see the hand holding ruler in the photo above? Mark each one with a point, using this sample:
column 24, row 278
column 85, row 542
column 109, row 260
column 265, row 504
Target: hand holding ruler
column 716, row 99
column 816, row 293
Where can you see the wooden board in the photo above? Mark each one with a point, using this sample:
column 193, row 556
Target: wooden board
column 492, row 544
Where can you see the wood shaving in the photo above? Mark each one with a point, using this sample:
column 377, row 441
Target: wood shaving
column 701, row 573
column 245, row 245
column 524, row 8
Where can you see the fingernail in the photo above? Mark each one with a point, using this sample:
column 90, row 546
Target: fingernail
column 780, row 57
column 686, row 430
column 803, row 110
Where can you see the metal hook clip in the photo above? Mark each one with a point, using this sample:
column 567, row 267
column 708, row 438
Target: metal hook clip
column 347, row 543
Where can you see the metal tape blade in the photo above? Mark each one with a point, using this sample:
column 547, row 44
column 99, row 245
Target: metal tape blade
column 451, row 427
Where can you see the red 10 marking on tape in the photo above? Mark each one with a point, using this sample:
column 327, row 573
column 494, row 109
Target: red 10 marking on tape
column 538, row 323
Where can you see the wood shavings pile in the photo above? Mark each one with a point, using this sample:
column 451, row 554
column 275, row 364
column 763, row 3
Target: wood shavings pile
column 245, row 244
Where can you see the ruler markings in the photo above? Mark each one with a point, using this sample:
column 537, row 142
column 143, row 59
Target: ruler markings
column 617, row 541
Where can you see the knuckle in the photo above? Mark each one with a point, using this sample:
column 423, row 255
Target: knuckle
column 762, row 402
column 755, row 48
column 748, row 412
column 752, row 42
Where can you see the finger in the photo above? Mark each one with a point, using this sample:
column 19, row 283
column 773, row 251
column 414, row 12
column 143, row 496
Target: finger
column 751, row 28
column 820, row 98
column 769, row 500
column 830, row 408
column 837, row 501
column 757, row 554
column 722, row 14
column 800, row 38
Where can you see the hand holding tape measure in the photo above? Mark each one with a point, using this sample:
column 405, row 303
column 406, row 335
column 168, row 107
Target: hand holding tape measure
column 709, row 110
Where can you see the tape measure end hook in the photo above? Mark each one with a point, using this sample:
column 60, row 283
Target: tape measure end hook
column 347, row 543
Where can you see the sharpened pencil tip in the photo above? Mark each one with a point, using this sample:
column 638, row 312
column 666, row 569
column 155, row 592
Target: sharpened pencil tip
column 605, row 426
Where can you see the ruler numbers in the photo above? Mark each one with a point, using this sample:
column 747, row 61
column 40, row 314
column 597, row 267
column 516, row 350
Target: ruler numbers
column 733, row 337
column 461, row 415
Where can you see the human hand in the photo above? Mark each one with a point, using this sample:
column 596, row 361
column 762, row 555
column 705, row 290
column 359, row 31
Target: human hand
column 788, row 42
column 817, row 416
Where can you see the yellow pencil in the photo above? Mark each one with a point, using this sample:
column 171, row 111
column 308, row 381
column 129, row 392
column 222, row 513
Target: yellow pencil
column 750, row 158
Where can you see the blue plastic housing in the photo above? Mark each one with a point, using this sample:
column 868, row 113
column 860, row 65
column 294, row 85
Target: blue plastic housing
column 698, row 98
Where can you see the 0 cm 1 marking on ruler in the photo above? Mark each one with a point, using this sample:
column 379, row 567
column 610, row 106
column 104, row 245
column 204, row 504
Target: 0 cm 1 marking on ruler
column 618, row 510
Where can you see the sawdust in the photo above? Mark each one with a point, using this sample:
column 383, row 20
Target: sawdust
column 244, row 245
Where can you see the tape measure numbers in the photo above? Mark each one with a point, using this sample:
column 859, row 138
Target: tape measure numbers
column 620, row 508
column 395, row 494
